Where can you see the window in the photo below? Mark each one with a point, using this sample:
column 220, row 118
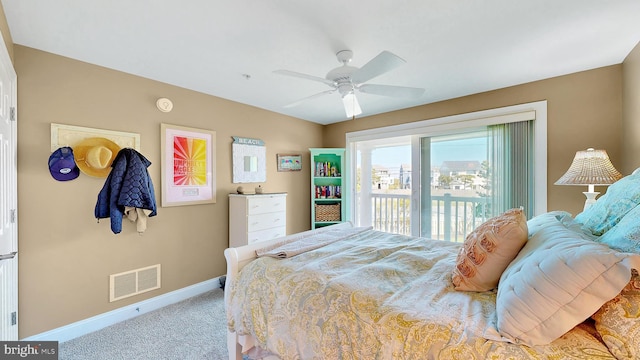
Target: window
column 441, row 178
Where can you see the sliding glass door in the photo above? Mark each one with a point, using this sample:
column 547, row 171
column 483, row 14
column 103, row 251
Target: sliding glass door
column 473, row 176
column 443, row 181
column 456, row 195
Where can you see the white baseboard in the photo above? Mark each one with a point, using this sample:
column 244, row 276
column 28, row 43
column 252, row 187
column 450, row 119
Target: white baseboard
column 98, row 322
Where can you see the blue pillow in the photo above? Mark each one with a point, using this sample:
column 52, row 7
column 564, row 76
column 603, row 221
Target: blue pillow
column 620, row 198
column 625, row 236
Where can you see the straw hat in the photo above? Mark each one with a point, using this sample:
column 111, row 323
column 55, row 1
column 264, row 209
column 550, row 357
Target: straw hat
column 95, row 155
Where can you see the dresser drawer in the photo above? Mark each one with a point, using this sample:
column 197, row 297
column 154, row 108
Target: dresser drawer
column 266, row 221
column 261, row 205
column 268, row 234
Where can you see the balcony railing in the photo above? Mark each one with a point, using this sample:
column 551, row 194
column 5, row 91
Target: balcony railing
column 452, row 218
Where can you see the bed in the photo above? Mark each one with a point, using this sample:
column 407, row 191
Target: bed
column 552, row 287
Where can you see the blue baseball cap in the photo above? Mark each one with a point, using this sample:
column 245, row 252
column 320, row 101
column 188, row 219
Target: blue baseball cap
column 62, row 165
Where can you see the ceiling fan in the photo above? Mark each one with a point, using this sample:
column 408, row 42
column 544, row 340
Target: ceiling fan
column 346, row 80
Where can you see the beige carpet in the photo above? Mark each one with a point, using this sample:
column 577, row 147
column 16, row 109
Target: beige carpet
column 192, row 329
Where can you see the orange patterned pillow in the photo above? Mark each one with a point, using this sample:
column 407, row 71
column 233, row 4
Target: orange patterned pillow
column 618, row 321
column 488, row 250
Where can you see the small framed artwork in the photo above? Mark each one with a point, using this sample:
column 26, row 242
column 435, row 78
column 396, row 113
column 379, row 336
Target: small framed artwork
column 188, row 165
column 289, row 162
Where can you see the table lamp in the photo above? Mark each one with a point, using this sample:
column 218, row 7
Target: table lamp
column 590, row 167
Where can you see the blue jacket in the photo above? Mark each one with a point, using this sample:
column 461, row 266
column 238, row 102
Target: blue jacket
column 128, row 184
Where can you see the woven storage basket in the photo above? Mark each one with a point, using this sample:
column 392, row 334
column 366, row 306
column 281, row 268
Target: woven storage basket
column 327, row 212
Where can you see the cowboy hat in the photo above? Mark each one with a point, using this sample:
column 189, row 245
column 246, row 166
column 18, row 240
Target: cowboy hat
column 95, row 155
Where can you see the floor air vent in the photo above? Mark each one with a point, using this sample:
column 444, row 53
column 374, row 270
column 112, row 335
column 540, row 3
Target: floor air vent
column 133, row 282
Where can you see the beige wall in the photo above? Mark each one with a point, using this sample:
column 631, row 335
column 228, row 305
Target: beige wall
column 583, row 109
column 631, row 110
column 6, row 34
column 65, row 256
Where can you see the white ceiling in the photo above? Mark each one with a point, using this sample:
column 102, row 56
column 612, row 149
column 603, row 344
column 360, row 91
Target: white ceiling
column 452, row 48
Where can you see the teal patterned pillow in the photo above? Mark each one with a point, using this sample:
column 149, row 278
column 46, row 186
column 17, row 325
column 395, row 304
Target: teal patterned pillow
column 625, row 236
column 620, row 198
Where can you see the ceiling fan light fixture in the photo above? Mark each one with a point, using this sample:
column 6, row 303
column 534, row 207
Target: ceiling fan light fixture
column 351, row 105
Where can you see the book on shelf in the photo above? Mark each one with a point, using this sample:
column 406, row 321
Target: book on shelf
column 328, row 192
column 326, row 169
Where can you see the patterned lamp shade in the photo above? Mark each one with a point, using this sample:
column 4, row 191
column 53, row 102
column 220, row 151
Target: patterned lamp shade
column 590, row 167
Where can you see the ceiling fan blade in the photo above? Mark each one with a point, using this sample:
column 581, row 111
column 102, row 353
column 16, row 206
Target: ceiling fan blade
column 296, row 103
column 390, row 90
column 351, row 105
column 304, row 76
column 384, row 62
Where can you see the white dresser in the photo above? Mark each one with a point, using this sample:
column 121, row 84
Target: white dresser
column 256, row 217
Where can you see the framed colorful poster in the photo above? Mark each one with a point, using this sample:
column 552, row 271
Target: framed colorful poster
column 188, row 165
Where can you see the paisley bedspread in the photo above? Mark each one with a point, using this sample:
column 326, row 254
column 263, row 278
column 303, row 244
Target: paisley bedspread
column 376, row 295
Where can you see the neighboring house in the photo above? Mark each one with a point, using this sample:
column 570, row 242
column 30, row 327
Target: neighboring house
column 458, row 168
column 405, row 176
column 435, row 176
column 463, row 174
column 382, row 177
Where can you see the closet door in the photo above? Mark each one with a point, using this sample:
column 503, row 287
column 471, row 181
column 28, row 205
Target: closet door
column 8, row 200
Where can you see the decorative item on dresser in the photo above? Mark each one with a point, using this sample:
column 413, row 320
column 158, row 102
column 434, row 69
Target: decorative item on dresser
column 256, row 217
column 328, row 202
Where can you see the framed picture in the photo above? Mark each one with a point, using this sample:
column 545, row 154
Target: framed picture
column 289, row 162
column 188, row 165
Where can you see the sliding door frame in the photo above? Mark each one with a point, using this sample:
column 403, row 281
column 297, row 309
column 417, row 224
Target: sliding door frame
column 536, row 111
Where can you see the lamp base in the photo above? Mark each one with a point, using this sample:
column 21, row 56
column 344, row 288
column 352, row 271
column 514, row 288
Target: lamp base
column 591, row 198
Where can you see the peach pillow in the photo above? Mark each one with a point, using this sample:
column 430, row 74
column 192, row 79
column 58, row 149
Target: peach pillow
column 618, row 321
column 488, row 250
